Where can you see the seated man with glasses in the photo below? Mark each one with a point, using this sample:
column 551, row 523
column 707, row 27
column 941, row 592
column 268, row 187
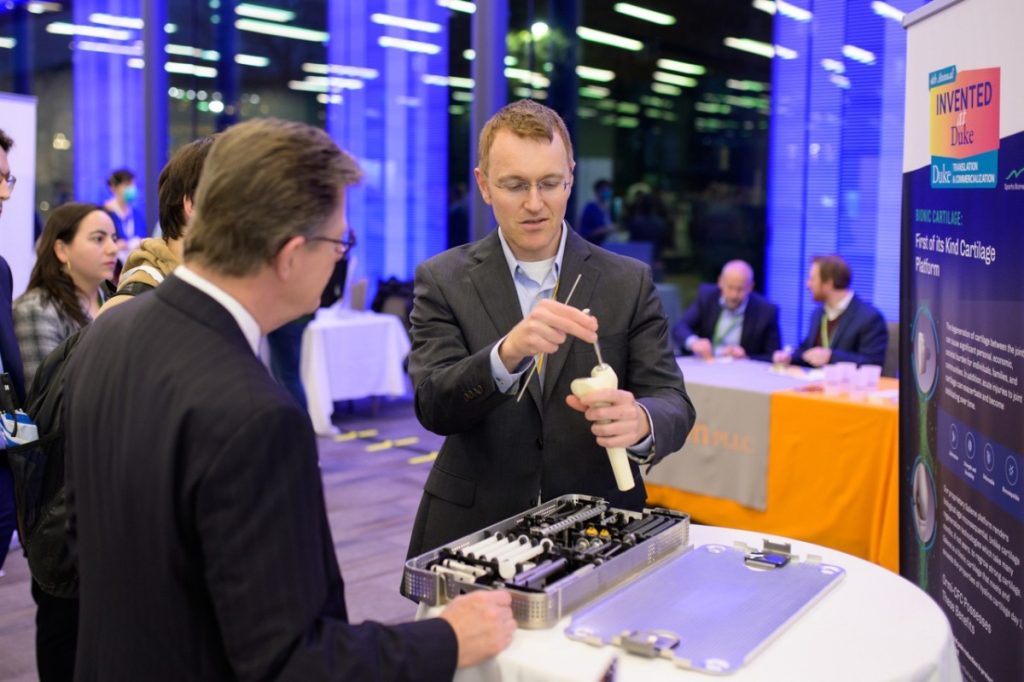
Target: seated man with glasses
column 487, row 312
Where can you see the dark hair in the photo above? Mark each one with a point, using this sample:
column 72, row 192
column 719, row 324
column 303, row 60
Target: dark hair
column 265, row 181
column 834, row 269
column 120, row 176
column 5, row 142
column 601, row 184
column 178, row 181
column 49, row 273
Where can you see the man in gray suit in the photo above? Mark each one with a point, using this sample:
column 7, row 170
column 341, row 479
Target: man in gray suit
column 193, row 485
column 486, row 312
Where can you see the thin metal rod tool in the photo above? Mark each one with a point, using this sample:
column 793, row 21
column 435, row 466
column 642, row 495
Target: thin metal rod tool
column 597, row 345
column 533, row 368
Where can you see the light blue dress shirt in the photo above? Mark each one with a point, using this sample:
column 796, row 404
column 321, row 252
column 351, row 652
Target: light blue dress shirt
column 530, row 293
column 729, row 327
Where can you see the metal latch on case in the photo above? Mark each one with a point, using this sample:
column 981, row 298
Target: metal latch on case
column 648, row 643
column 772, row 555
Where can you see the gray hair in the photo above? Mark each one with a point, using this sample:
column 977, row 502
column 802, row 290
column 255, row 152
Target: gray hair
column 265, row 181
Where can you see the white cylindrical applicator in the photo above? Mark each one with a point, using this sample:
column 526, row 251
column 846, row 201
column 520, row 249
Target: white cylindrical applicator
column 603, row 376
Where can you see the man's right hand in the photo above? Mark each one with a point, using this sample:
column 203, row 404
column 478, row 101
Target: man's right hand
column 483, row 624
column 702, row 349
column 781, row 357
column 546, row 328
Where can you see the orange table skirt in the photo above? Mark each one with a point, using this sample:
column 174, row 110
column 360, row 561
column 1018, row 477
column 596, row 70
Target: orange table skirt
column 833, row 478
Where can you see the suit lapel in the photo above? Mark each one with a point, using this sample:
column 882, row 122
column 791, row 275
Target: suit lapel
column 493, row 283
column 715, row 313
column 747, row 328
column 497, row 292
column 844, row 323
column 574, row 262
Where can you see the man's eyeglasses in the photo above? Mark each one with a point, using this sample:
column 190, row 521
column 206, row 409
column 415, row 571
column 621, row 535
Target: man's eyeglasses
column 548, row 187
column 341, row 246
column 9, row 179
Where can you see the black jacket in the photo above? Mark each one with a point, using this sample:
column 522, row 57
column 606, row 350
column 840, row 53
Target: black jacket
column 197, row 509
column 759, row 336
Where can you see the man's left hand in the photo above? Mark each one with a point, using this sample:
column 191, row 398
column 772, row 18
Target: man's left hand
column 616, row 418
column 817, row 356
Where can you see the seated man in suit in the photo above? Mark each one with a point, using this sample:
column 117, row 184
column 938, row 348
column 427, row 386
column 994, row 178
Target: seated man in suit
column 730, row 319
column 845, row 328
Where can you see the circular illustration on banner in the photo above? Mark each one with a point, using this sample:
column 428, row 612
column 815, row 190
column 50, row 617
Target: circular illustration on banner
column 1012, row 470
column 924, row 355
column 969, row 445
column 923, row 503
column 954, row 439
column 990, row 457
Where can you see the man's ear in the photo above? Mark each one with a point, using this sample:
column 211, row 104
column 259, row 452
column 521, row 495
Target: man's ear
column 285, row 261
column 186, row 206
column 481, row 183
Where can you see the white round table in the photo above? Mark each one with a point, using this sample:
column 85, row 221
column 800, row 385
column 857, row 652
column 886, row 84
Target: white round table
column 873, row 625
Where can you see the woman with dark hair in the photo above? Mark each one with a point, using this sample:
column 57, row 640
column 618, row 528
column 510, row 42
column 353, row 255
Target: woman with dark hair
column 76, row 254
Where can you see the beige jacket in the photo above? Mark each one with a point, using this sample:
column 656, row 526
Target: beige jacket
column 152, row 252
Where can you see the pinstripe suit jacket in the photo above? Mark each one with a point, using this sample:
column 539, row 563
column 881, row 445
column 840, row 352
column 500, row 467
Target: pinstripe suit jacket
column 500, row 455
column 196, row 503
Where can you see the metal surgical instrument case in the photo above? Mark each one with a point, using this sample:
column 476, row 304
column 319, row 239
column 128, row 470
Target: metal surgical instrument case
column 552, row 558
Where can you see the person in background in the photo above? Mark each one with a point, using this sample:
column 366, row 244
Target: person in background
column 845, row 328
column 76, row 254
column 210, row 557
column 127, row 220
column 596, row 220
column 10, row 357
column 730, row 319
column 156, row 257
column 483, row 312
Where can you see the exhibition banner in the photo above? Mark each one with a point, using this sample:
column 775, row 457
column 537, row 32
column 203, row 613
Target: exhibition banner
column 962, row 342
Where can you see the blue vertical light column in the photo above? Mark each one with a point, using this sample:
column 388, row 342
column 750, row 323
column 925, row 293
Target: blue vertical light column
column 395, row 122
column 834, row 162
column 787, row 175
column 108, row 101
column 888, row 204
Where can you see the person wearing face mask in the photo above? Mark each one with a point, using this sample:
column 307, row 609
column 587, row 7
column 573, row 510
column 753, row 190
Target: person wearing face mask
column 128, row 222
column 596, row 220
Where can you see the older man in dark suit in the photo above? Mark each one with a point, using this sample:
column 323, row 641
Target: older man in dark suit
column 10, row 358
column 486, row 313
column 730, row 319
column 193, row 483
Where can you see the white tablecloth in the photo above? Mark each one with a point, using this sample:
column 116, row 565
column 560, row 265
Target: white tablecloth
column 873, row 625
column 348, row 355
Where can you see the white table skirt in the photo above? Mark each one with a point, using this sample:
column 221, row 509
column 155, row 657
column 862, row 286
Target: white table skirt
column 873, row 625
column 348, row 355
